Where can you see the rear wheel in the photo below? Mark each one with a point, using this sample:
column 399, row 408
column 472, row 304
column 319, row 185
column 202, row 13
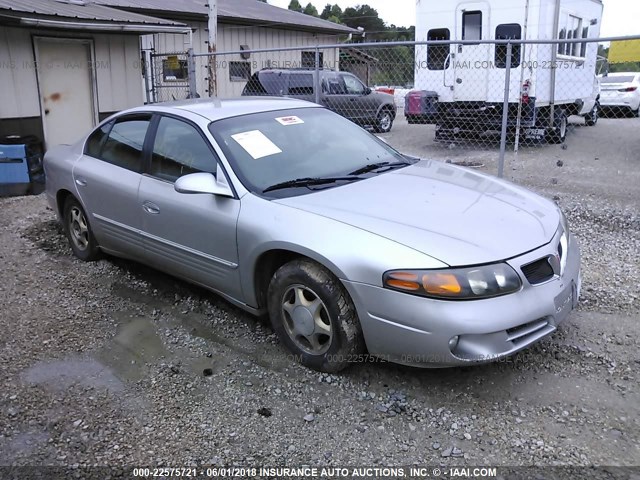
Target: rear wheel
column 558, row 133
column 591, row 118
column 313, row 315
column 78, row 231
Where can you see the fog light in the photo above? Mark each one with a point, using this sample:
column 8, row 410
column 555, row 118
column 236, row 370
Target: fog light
column 453, row 343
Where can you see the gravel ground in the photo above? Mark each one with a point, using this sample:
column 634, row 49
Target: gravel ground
column 111, row 363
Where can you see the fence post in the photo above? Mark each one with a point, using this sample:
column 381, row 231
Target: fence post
column 505, row 111
column 191, row 65
column 316, row 81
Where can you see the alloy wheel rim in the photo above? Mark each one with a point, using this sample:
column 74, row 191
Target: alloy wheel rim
column 385, row 121
column 306, row 320
column 79, row 228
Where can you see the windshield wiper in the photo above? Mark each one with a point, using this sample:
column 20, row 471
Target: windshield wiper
column 309, row 181
column 372, row 167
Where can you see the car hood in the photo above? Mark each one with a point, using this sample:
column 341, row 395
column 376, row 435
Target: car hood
column 450, row 213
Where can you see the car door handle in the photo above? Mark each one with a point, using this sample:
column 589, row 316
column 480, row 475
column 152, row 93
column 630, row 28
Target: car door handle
column 81, row 182
column 151, row 208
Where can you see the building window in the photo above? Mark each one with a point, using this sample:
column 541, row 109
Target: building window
column 437, row 54
column 571, row 28
column 174, row 69
column 309, row 59
column 239, row 71
column 472, row 25
column 508, row 31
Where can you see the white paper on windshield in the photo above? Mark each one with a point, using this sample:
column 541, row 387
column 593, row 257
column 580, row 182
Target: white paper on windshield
column 292, row 120
column 256, row 144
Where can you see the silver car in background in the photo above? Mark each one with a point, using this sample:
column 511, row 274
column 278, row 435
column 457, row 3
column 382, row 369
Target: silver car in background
column 354, row 250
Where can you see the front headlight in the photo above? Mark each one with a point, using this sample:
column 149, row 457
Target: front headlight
column 564, row 242
column 455, row 283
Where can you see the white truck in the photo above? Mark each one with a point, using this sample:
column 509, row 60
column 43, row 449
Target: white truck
column 460, row 88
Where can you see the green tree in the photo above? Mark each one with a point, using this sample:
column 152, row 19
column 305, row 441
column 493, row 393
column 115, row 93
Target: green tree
column 295, row 6
column 366, row 17
column 310, row 10
column 326, row 12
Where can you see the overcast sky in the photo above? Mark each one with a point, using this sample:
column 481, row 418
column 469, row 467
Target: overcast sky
column 621, row 17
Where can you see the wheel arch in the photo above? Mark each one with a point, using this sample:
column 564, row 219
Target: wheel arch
column 387, row 106
column 61, row 198
column 271, row 259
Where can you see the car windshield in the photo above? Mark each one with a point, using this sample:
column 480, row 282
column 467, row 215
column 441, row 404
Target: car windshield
column 268, row 149
column 617, row 79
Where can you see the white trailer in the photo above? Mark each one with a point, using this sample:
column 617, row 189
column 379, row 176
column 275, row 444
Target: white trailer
column 461, row 87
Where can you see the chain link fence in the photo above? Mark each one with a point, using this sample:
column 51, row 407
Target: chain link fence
column 168, row 76
column 491, row 96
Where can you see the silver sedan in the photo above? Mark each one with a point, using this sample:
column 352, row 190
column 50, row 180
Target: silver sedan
column 356, row 251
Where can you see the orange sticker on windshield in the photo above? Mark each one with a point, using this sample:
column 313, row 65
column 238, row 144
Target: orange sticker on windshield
column 293, row 120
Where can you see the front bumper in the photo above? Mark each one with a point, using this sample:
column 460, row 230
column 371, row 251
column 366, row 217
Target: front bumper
column 414, row 330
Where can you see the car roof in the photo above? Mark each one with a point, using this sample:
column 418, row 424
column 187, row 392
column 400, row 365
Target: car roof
column 217, row 109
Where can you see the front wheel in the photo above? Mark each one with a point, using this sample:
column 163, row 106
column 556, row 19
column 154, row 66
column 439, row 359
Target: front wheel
column 313, row 315
column 591, row 118
column 384, row 121
column 78, row 231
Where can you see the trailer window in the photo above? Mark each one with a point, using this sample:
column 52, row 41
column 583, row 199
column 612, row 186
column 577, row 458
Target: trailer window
column 437, row 54
column 472, row 25
column 508, row 31
column 570, row 28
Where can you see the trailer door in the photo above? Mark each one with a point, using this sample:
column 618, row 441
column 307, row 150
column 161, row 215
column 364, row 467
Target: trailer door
column 472, row 62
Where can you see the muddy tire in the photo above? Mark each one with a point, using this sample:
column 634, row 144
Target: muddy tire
column 314, row 317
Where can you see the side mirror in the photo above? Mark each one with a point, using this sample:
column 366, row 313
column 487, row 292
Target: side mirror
column 367, row 91
column 202, row 183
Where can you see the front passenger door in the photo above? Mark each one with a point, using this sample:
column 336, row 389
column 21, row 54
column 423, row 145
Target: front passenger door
column 190, row 235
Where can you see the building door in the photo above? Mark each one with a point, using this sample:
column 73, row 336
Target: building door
column 65, row 80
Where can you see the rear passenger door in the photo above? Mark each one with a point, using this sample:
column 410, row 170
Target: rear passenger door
column 107, row 178
column 189, row 235
column 301, row 86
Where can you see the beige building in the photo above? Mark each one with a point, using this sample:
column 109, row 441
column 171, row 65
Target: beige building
column 242, row 25
column 64, row 67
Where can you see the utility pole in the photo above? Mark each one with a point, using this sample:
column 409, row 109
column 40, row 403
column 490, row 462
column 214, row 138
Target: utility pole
column 213, row 38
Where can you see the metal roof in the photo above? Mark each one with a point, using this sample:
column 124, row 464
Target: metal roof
column 248, row 12
column 77, row 10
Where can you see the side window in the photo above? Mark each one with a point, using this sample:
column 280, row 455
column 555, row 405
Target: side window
column 333, row 85
column 301, row 84
column 354, row 86
column 179, row 149
column 437, row 54
column 96, row 139
column 123, row 146
column 472, row 25
column 571, row 28
column 508, row 31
